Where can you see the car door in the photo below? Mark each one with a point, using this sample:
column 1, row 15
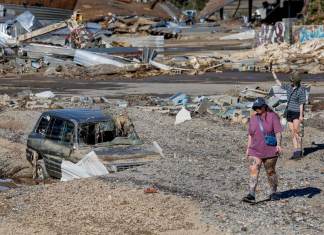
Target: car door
column 56, row 142
column 36, row 138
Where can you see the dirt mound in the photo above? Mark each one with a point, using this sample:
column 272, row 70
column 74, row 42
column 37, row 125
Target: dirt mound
column 96, row 207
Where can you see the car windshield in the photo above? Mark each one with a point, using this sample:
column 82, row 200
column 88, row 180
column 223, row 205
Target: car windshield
column 96, row 132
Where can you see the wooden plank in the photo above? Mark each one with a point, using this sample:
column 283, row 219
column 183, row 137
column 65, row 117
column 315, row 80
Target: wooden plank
column 41, row 31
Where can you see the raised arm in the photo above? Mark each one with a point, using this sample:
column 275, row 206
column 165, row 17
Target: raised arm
column 276, row 78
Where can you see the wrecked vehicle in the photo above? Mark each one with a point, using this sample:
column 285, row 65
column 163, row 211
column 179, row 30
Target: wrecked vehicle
column 70, row 134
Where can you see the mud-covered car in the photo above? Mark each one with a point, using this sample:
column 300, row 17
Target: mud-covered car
column 70, row 134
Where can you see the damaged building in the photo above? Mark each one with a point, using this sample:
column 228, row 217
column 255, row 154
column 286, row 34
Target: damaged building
column 264, row 11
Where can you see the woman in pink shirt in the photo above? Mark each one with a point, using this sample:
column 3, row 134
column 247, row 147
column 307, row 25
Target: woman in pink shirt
column 264, row 147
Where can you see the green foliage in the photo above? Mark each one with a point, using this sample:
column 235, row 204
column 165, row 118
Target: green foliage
column 315, row 12
column 190, row 4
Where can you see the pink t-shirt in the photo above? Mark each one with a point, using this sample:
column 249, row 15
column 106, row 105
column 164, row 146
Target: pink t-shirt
column 271, row 124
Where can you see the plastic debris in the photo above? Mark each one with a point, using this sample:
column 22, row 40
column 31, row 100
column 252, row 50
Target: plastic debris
column 45, row 95
column 179, row 99
column 88, row 166
column 158, row 148
column 182, row 116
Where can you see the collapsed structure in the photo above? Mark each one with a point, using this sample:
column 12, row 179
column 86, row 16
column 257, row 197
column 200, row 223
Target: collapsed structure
column 135, row 41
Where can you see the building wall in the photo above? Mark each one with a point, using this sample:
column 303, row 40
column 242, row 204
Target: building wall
column 244, row 7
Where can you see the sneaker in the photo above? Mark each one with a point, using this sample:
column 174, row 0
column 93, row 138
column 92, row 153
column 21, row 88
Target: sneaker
column 249, row 198
column 296, row 155
column 274, row 197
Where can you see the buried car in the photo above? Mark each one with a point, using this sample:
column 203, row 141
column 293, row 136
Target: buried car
column 71, row 134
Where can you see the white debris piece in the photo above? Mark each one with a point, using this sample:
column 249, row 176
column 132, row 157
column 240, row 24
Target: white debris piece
column 45, row 95
column 250, row 34
column 6, row 40
column 88, row 58
column 158, row 148
column 160, row 66
column 71, row 171
column 26, row 20
column 88, row 166
column 182, row 116
column 92, row 165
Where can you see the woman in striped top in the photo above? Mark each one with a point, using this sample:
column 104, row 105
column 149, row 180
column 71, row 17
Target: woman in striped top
column 296, row 96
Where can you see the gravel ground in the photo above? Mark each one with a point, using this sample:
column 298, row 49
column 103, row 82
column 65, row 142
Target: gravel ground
column 204, row 162
column 93, row 206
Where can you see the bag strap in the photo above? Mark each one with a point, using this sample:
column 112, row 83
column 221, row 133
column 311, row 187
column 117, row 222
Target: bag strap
column 261, row 126
column 291, row 96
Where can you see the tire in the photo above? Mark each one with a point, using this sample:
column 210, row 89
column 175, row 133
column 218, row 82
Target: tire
column 41, row 172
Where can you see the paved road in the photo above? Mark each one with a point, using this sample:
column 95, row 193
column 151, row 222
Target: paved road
column 206, row 84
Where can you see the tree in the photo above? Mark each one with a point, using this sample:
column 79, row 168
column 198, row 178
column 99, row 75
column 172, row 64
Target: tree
column 314, row 13
column 190, row 4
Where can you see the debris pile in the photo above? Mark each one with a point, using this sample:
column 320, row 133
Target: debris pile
column 135, row 47
column 132, row 46
column 235, row 108
column 26, row 100
column 305, row 57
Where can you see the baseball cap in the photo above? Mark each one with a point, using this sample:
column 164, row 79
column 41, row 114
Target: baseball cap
column 259, row 103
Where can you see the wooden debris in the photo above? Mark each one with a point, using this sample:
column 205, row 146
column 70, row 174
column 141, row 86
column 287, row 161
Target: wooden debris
column 305, row 57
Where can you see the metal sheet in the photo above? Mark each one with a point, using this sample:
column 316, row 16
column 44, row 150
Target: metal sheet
column 41, row 13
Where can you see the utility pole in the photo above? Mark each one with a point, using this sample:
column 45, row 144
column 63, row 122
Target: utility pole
column 250, row 10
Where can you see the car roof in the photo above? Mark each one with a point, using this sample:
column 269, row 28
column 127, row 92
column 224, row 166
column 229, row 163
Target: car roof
column 79, row 115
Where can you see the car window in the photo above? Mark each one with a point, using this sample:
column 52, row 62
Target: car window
column 96, row 133
column 68, row 132
column 55, row 129
column 43, row 124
